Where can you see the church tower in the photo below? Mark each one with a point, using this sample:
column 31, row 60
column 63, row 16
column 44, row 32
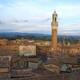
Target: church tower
column 54, row 27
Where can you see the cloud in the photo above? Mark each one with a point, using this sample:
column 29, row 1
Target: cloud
column 28, row 15
column 1, row 22
column 68, row 11
column 73, row 29
column 20, row 21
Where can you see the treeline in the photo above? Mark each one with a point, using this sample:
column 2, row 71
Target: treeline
column 69, row 39
column 35, row 36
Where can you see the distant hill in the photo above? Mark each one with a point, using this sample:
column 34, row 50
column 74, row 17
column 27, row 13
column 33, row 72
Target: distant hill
column 37, row 36
column 18, row 35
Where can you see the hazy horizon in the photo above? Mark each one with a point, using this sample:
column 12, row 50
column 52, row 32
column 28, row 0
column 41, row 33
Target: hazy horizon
column 47, row 34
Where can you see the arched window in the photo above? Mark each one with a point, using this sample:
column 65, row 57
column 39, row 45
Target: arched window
column 55, row 19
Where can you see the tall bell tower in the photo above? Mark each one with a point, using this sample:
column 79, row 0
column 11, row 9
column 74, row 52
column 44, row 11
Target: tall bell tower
column 54, row 27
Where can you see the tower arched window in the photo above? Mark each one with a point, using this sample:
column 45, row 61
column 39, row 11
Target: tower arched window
column 55, row 19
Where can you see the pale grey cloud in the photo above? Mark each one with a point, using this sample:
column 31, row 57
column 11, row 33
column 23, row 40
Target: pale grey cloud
column 28, row 16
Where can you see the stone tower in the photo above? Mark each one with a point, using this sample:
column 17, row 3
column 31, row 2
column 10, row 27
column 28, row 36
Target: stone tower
column 54, row 27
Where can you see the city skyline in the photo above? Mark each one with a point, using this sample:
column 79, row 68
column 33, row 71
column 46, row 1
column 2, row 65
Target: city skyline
column 35, row 16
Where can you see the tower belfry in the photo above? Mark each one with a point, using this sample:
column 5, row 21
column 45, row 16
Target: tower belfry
column 54, row 27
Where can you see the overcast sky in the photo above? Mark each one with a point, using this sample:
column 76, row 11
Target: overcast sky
column 34, row 16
